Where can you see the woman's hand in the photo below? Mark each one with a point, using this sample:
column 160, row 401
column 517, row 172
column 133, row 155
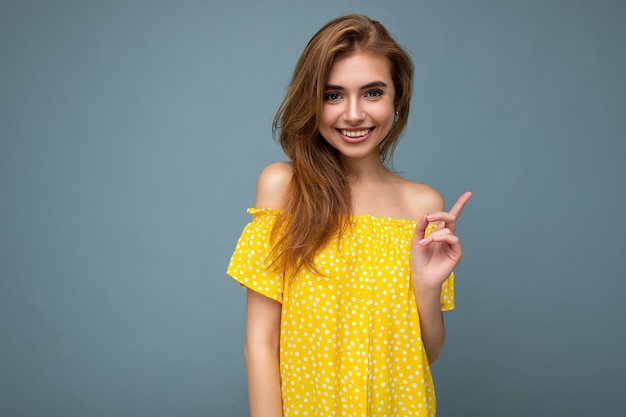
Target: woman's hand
column 433, row 258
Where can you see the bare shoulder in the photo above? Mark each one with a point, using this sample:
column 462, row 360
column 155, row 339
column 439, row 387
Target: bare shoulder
column 272, row 185
column 420, row 198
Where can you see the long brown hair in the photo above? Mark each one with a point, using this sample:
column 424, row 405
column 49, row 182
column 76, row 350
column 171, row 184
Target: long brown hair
column 318, row 201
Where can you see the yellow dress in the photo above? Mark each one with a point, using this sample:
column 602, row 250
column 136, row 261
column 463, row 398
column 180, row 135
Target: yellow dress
column 350, row 341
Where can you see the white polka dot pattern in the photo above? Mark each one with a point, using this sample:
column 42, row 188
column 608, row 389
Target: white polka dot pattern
column 350, row 340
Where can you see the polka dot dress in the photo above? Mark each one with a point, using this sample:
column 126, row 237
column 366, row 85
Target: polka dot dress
column 350, row 340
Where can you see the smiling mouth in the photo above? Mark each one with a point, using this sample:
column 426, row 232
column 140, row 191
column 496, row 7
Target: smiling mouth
column 355, row 133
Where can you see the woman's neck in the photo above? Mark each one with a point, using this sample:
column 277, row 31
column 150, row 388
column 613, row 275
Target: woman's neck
column 365, row 170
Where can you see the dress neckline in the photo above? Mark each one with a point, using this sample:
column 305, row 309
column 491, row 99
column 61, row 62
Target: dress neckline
column 255, row 210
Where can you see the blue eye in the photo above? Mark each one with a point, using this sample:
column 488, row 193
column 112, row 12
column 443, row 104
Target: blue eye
column 332, row 96
column 374, row 94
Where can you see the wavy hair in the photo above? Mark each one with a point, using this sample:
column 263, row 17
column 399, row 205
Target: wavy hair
column 318, row 202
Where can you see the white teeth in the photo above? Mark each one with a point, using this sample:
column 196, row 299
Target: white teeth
column 355, row 133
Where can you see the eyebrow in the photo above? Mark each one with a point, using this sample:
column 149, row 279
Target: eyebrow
column 380, row 84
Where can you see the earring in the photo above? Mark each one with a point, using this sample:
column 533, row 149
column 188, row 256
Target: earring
column 395, row 117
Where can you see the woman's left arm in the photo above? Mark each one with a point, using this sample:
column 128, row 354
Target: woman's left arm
column 433, row 258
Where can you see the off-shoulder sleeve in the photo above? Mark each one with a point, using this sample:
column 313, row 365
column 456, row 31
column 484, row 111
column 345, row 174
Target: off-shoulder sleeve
column 446, row 300
column 248, row 264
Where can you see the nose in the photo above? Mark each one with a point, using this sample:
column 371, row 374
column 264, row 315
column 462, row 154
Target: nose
column 353, row 113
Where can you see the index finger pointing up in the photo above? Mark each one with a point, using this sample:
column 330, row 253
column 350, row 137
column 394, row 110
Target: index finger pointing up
column 460, row 204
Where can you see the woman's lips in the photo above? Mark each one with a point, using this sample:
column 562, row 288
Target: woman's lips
column 355, row 135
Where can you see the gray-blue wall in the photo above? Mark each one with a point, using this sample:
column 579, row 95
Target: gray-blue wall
column 131, row 135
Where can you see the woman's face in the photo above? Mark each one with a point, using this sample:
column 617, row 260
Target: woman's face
column 358, row 109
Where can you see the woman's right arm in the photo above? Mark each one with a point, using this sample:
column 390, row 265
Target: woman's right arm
column 262, row 345
column 261, row 351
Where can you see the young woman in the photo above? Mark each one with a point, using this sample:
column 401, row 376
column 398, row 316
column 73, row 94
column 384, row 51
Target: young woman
column 348, row 266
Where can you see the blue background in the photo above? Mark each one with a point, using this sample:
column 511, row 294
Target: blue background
column 131, row 136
